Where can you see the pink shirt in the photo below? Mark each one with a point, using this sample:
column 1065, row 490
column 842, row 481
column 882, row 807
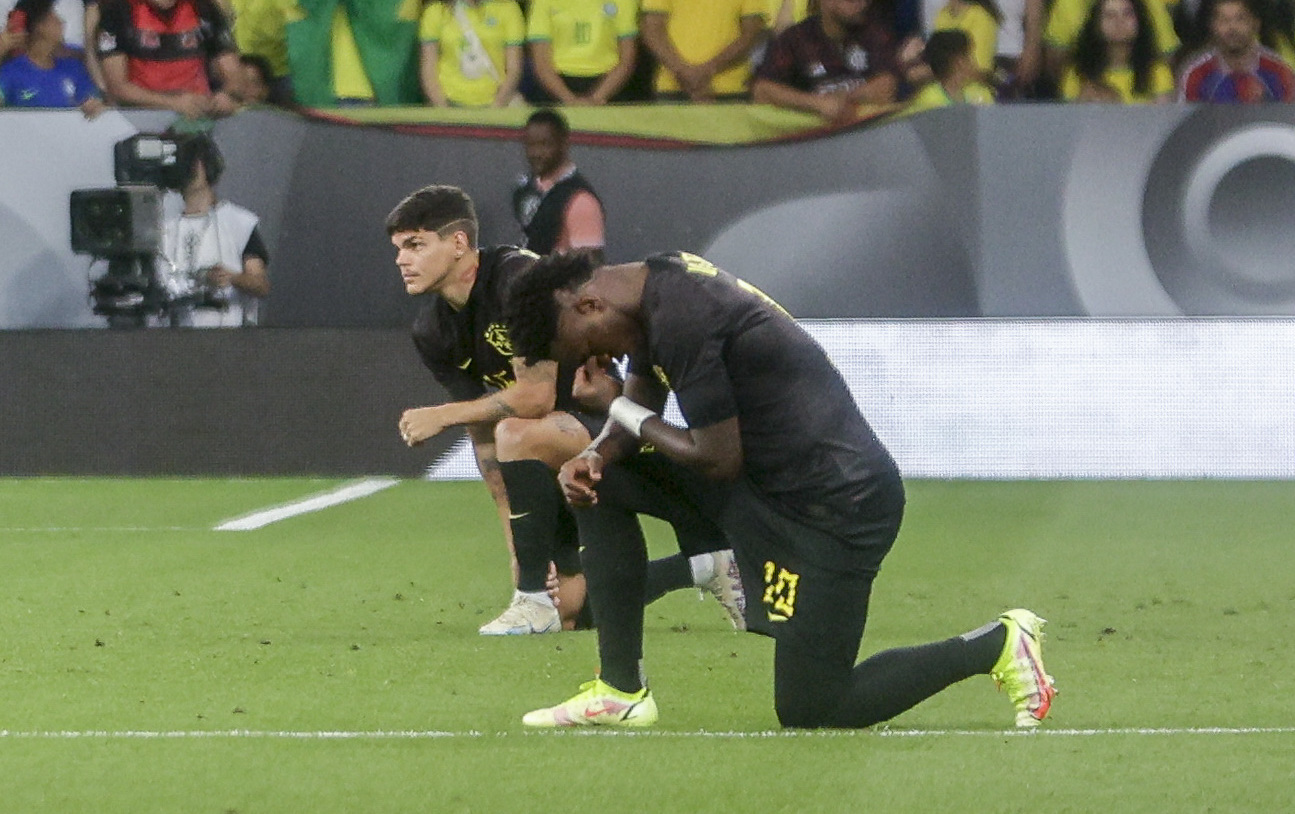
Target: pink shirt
column 583, row 225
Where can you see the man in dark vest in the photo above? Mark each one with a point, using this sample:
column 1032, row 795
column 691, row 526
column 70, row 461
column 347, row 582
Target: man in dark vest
column 557, row 208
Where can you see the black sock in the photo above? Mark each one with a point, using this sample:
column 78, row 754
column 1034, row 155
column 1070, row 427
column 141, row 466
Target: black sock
column 534, row 502
column 615, row 561
column 984, row 646
column 665, row 575
column 897, row 680
column 893, row 681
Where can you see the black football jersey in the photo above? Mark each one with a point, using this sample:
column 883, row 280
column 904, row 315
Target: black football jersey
column 468, row 350
column 727, row 350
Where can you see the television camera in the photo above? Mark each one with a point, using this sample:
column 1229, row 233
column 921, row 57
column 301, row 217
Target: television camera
column 122, row 226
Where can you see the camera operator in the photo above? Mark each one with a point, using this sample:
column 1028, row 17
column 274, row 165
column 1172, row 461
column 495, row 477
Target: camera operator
column 215, row 268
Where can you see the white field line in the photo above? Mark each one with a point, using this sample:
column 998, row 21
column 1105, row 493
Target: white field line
column 343, row 494
column 433, row 734
column 58, row 529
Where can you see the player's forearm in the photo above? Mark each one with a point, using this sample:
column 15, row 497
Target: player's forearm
column 714, row 451
column 682, row 447
column 614, row 443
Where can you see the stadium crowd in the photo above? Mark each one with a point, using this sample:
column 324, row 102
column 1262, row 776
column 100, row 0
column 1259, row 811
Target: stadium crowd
column 208, row 58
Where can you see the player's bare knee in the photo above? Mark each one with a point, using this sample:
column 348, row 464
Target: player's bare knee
column 518, row 439
column 513, row 439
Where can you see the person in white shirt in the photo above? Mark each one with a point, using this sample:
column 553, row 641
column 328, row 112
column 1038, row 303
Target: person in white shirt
column 215, row 269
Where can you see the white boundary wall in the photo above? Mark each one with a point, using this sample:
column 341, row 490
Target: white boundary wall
column 1081, row 398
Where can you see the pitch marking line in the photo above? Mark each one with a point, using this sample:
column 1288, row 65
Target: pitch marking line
column 274, row 514
column 62, row 529
column 432, row 734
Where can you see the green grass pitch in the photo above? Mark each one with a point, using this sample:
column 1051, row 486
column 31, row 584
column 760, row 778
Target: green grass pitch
column 330, row 662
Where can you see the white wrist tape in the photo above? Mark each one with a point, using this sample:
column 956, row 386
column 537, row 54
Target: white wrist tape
column 629, row 414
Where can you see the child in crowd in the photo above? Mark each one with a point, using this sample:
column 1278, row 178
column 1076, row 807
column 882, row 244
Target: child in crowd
column 948, row 53
column 980, row 20
column 42, row 75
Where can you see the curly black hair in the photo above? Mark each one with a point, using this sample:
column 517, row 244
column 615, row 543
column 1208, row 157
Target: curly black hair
column 532, row 310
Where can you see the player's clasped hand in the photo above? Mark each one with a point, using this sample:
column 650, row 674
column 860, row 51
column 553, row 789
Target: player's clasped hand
column 419, row 424
column 579, row 478
column 593, row 386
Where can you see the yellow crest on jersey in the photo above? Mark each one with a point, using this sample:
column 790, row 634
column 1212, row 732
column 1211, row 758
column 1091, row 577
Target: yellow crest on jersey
column 661, row 377
column 497, row 338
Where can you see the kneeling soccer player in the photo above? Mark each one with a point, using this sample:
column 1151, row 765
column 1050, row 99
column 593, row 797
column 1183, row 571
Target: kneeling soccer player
column 522, row 419
column 808, row 496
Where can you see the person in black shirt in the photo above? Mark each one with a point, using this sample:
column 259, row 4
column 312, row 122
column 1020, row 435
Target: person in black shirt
column 521, row 418
column 810, row 498
column 831, row 63
column 555, row 205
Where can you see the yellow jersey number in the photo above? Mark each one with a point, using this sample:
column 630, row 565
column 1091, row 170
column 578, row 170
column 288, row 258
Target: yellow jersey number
column 705, row 268
column 779, row 592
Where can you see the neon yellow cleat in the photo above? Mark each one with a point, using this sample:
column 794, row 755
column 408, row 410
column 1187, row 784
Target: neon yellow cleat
column 598, row 704
column 1019, row 670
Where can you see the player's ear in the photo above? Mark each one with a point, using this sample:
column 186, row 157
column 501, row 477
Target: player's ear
column 588, row 304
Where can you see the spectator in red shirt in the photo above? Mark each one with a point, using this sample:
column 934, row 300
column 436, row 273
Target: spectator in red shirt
column 155, row 53
column 1237, row 69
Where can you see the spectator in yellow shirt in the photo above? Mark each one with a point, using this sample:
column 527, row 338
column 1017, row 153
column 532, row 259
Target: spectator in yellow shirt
column 980, row 19
column 703, row 49
column 471, row 52
column 949, row 55
column 1115, row 58
column 1066, row 19
column 583, row 51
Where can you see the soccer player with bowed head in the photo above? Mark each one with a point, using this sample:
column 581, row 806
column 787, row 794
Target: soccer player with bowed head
column 810, row 498
column 522, row 418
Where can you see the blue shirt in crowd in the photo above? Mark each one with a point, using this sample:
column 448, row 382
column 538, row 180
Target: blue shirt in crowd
column 23, row 83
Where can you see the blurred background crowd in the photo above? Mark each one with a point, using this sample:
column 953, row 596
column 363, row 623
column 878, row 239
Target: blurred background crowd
column 208, row 58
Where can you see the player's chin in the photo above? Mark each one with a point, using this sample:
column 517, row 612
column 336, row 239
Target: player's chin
column 414, row 285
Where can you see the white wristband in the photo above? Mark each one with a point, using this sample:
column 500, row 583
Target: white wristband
column 629, row 414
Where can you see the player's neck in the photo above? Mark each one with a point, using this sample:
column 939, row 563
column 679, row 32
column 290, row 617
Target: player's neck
column 459, row 282
column 622, row 287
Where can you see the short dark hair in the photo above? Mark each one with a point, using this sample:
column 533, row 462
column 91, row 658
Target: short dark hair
column 437, row 208
column 943, row 48
column 554, row 119
column 532, row 311
column 1252, row 7
column 36, row 10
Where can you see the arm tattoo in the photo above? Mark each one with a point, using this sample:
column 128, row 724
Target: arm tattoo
column 502, row 409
